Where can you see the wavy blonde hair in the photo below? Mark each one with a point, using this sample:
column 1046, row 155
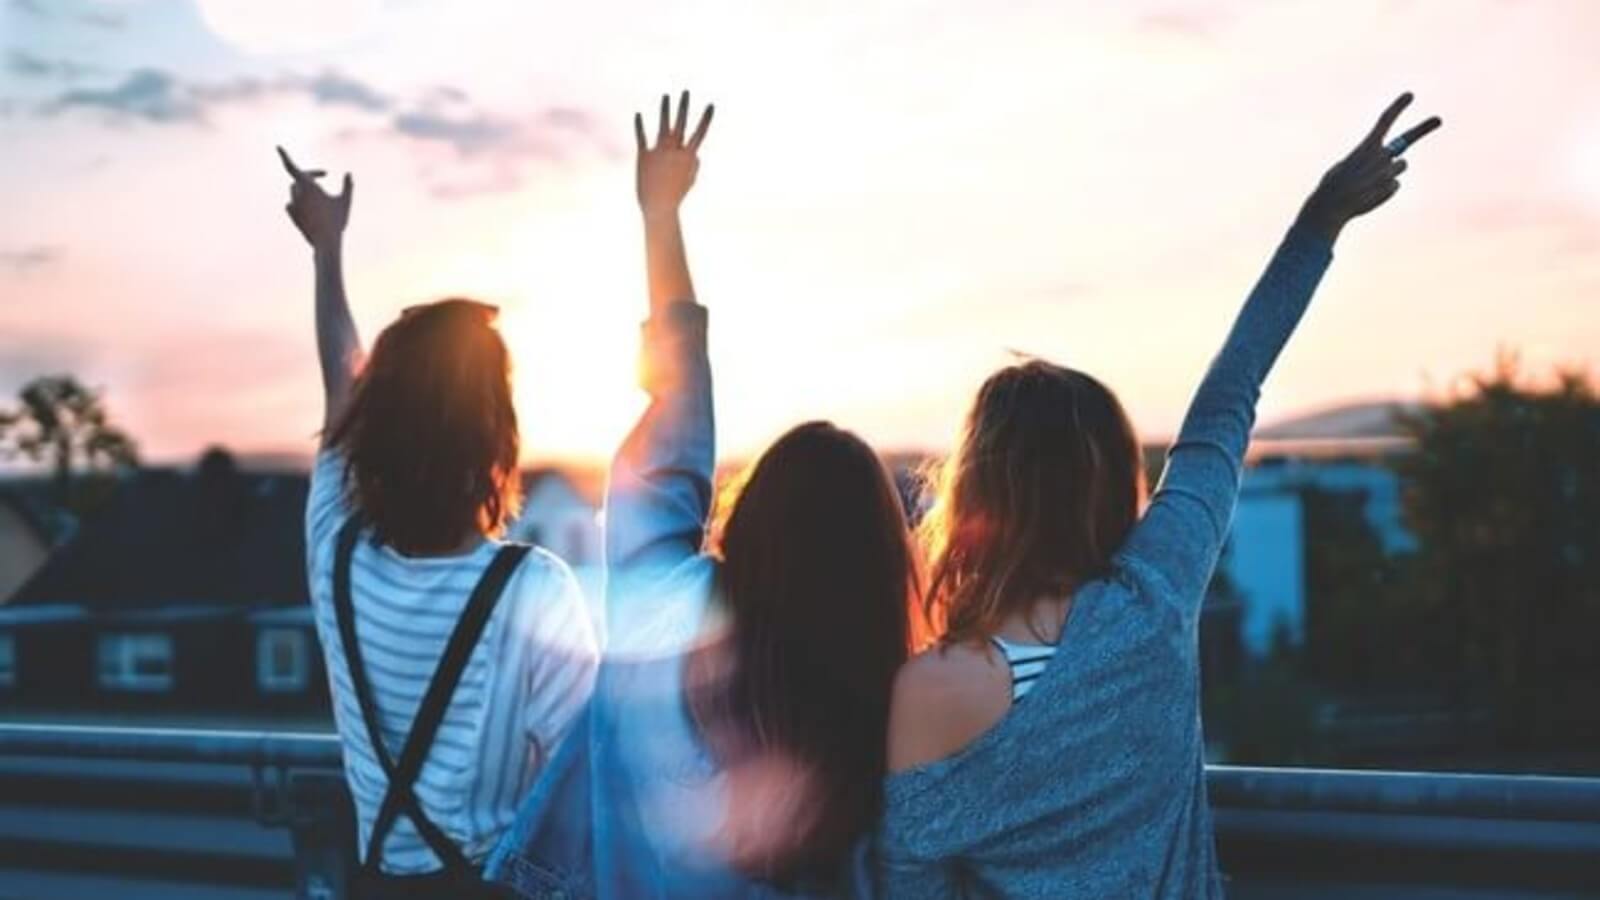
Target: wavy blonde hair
column 1046, row 481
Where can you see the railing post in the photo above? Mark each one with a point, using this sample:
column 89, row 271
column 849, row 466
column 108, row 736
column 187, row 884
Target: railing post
column 322, row 828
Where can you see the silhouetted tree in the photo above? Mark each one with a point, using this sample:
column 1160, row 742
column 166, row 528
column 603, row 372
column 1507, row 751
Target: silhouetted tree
column 61, row 423
column 1503, row 494
column 1359, row 628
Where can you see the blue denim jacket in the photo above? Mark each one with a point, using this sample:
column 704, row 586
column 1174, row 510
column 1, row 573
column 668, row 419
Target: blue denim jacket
column 631, row 804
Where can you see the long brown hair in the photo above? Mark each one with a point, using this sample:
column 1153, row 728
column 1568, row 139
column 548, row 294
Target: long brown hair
column 818, row 584
column 1045, row 483
column 429, row 436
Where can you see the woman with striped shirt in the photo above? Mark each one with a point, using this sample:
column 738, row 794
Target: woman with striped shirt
column 457, row 662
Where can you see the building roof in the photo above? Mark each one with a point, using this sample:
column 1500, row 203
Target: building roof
column 211, row 536
column 30, row 499
column 1348, row 421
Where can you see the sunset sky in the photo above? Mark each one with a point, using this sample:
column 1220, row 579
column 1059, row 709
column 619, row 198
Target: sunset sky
column 894, row 195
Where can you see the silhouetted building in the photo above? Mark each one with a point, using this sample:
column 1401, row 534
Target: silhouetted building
column 1266, row 556
column 186, row 591
column 30, row 526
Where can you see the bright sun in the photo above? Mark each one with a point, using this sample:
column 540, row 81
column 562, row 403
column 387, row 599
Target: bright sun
column 574, row 381
column 569, row 278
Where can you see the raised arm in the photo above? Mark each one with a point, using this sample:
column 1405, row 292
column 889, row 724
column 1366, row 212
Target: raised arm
column 659, row 495
column 662, row 179
column 321, row 218
column 1182, row 532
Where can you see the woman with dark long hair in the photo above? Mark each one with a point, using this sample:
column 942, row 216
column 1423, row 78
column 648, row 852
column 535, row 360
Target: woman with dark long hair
column 738, row 733
column 457, row 661
column 1050, row 745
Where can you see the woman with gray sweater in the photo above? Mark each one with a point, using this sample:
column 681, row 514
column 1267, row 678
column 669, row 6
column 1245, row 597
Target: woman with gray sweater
column 1050, row 745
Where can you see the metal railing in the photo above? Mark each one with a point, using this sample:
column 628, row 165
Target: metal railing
column 1388, row 830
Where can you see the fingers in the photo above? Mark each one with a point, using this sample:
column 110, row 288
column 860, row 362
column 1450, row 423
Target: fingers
column 1400, row 144
column 300, row 176
column 671, row 127
column 1374, row 176
column 347, row 191
column 704, row 126
column 683, row 117
column 1376, row 196
column 288, row 164
column 1386, row 121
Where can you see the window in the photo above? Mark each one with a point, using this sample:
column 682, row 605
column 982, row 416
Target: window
column 8, row 660
column 136, row 662
column 281, row 660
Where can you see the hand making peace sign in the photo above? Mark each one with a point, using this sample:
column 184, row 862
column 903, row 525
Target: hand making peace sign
column 1367, row 177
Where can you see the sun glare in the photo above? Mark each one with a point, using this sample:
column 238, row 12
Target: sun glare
column 1585, row 162
column 574, row 383
column 574, row 298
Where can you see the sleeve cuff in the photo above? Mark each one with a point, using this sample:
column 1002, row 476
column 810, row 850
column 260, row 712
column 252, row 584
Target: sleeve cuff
column 682, row 317
column 672, row 340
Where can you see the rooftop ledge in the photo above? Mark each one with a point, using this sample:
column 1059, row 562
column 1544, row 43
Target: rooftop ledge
column 129, row 799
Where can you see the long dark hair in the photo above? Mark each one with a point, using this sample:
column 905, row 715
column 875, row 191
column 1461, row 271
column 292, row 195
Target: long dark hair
column 1045, row 483
column 818, row 584
column 429, row 437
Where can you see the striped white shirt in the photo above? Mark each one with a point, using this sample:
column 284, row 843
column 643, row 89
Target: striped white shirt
column 1026, row 661
column 523, row 685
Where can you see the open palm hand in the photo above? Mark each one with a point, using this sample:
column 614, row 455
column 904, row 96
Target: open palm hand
column 667, row 171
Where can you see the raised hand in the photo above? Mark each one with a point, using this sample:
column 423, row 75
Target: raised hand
column 1365, row 179
column 320, row 216
column 666, row 172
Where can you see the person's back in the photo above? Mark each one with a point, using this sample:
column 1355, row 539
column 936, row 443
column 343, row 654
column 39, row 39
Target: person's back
column 456, row 662
column 736, row 737
column 1052, row 745
column 522, row 685
column 1090, row 786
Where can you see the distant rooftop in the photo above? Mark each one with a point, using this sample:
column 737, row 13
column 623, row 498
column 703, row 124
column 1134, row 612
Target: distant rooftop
column 213, row 535
column 1350, row 421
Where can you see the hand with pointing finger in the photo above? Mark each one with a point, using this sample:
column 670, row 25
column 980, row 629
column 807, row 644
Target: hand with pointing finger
column 666, row 171
column 320, row 216
column 1367, row 177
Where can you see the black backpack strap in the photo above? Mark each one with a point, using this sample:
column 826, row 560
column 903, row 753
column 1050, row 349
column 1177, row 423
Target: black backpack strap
column 402, row 776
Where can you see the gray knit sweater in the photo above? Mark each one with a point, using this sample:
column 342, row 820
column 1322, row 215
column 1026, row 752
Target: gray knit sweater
column 1096, row 786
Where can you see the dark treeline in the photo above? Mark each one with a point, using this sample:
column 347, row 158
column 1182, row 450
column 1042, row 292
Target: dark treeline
column 1476, row 647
